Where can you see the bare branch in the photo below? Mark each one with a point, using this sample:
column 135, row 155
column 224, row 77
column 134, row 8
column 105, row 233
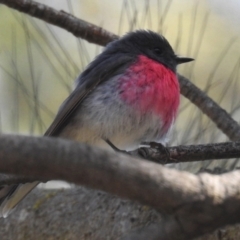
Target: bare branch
column 76, row 26
column 218, row 115
column 176, row 154
column 194, row 219
column 198, row 204
column 190, row 153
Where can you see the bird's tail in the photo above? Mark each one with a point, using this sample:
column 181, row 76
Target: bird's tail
column 11, row 195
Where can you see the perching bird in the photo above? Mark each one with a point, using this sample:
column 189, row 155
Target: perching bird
column 127, row 96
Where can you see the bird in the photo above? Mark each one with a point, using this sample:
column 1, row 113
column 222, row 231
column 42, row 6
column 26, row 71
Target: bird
column 127, row 96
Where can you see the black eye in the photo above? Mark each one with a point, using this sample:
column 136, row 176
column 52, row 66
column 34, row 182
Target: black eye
column 158, row 51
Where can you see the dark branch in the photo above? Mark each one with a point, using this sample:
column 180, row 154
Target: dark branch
column 76, row 26
column 218, row 115
column 191, row 153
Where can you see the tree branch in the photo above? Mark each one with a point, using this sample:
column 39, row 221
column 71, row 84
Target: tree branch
column 176, row 154
column 218, row 115
column 81, row 213
column 76, row 26
column 98, row 35
column 190, row 153
column 187, row 197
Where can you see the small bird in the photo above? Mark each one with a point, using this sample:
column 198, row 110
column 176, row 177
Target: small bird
column 128, row 96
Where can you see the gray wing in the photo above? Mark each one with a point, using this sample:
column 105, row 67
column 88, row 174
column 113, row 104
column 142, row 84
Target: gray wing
column 102, row 69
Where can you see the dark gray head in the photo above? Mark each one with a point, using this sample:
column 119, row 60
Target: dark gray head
column 150, row 44
column 121, row 53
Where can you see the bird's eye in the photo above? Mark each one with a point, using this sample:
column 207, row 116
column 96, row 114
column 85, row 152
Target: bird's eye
column 157, row 51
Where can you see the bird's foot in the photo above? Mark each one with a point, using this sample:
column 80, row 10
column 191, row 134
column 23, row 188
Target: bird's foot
column 163, row 150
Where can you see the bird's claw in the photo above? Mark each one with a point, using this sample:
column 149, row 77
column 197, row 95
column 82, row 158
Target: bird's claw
column 163, row 150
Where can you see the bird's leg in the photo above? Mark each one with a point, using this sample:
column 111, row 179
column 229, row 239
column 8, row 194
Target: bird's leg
column 114, row 147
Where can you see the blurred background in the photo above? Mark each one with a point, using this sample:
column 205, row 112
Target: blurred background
column 39, row 62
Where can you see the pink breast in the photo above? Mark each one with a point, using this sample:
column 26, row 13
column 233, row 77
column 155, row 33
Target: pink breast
column 150, row 87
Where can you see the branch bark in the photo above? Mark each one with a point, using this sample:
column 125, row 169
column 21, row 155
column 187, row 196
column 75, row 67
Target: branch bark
column 197, row 204
column 81, row 213
column 76, row 213
column 191, row 153
column 177, row 154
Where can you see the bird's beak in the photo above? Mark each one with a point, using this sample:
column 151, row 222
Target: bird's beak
column 183, row 59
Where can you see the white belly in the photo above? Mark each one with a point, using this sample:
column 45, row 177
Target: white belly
column 103, row 115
